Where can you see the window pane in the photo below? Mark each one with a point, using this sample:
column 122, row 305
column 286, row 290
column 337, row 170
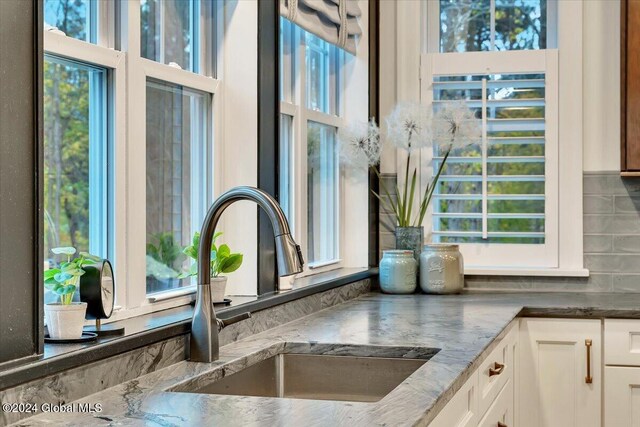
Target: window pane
column 287, row 60
column 286, row 166
column 322, row 79
column 169, row 32
column 178, row 178
column 75, row 157
column 521, row 24
column 322, row 193
column 76, row 18
column 465, row 25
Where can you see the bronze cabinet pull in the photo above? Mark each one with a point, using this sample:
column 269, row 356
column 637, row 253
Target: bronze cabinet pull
column 588, row 379
column 502, row 424
column 496, row 370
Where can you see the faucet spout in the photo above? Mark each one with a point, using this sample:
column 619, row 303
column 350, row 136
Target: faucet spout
column 204, row 342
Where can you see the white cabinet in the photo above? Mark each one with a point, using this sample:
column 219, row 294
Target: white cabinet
column 560, row 373
column 622, row 382
column 621, row 396
column 462, row 409
column 487, row 397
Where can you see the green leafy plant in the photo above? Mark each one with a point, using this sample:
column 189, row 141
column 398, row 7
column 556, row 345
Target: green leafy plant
column 63, row 280
column 222, row 260
column 164, row 248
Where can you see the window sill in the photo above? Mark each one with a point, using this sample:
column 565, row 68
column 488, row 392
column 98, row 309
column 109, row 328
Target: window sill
column 148, row 329
column 549, row 272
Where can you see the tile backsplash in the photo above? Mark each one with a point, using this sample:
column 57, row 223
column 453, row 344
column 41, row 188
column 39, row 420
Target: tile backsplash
column 611, row 240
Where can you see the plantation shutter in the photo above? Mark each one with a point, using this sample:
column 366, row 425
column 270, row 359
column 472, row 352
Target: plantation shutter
column 334, row 21
column 499, row 197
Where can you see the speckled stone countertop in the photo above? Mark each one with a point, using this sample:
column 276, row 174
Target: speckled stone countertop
column 464, row 327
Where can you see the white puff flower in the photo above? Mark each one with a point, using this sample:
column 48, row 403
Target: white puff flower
column 409, row 126
column 455, row 126
column 359, row 144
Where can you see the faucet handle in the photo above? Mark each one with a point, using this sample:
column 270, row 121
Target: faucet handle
column 231, row 320
column 300, row 257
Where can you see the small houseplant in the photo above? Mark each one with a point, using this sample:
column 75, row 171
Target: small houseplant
column 66, row 317
column 164, row 261
column 223, row 261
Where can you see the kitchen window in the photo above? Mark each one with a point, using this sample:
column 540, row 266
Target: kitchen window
column 502, row 200
column 129, row 141
column 75, row 157
column 311, row 114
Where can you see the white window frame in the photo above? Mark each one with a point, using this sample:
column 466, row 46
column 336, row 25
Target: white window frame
column 300, row 115
column 478, row 255
column 127, row 73
column 140, row 69
column 413, row 17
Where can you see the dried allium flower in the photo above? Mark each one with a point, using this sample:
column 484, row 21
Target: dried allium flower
column 409, row 126
column 359, row 144
column 455, row 126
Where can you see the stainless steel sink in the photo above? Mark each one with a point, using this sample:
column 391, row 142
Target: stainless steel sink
column 319, row 377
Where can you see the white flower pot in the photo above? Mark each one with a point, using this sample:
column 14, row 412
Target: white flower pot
column 65, row 321
column 218, row 288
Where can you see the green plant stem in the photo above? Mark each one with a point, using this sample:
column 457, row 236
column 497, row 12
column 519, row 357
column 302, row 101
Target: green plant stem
column 434, row 182
column 392, row 205
column 406, row 212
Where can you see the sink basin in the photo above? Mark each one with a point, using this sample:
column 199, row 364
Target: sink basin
column 317, row 376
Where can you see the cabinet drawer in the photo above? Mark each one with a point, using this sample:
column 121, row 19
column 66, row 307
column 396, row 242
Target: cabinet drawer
column 500, row 412
column 622, row 342
column 462, row 409
column 496, row 370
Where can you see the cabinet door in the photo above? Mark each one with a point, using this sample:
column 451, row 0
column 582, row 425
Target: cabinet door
column 462, row 409
column 621, row 396
column 553, row 385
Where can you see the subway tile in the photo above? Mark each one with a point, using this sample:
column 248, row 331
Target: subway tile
column 387, row 241
column 614, row 224
column 596, row 282
column 627, row 204
column 612, row 263
column 626, row 283
column 626, row 244
column 598, row 243
column 598, row 204
column 608, row 184
column 387, row 223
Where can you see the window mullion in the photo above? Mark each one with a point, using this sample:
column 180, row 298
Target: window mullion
column 492, row 25
column 485, row 233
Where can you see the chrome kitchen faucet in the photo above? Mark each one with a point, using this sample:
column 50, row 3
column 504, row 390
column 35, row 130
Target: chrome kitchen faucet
column 204, row 343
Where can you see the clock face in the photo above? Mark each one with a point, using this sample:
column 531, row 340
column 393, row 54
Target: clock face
column 97, row 289
column 107, row 289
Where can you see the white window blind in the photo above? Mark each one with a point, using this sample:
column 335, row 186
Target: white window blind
column 498, row 199
column 334, row 21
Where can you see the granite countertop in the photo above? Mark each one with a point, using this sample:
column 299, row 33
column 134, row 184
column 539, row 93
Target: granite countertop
column 464, row 327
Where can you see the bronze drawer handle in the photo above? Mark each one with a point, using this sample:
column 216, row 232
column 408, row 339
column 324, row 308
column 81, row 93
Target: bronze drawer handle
column 496, row 370
column 588, row 379
column 502, row 424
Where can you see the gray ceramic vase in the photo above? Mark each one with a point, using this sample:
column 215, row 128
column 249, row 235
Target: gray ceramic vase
column 398, row 272
column 410, row 238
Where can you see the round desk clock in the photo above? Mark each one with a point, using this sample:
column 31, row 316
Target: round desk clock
column 97, row 289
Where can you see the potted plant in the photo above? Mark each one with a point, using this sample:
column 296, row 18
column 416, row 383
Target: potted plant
column 411, row 127
column 223, row 261
column 66, row 317
column 164, row 262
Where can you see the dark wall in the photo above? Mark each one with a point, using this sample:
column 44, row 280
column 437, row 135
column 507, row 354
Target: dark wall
column 20, row 135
